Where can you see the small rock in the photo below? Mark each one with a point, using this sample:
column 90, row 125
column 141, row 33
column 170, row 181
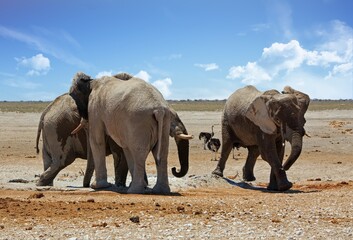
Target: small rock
column 90, row 200
column 103, row 224
column 180, row 209
column 135, row 219
column 36, row 195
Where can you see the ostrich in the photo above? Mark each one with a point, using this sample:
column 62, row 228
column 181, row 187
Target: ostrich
column 206, row 136
column 214, row 144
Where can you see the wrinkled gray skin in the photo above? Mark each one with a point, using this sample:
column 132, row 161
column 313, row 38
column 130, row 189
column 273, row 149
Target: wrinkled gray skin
column 61, row 148
column 135, row 115
column 261, row 122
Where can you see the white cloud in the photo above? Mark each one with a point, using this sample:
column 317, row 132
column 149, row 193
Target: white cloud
column 45, row 45
column 104, row 73
column 143, row 75
column 207, row 67
column 250, row 74
column 163, row 86
column 330, row 63
column 284, row 56
column 341, row 71
column 38, row 64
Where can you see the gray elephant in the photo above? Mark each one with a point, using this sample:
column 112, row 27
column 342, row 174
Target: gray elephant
column 60, row 147
column 261, row 122
column 136, row 116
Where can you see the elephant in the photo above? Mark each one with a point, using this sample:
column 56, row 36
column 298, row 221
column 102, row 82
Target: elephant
column 61, row 148
column 261, row 122
column 137, row 117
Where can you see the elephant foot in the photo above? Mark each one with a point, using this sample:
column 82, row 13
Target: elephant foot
column 136, row 189
column 120, row 184
column 248, row 176
column 159, row 189
column 218, row 172
column 44, row 182
column 272, row 186
column 100, row 184
column 86, row 183
column 283, row 186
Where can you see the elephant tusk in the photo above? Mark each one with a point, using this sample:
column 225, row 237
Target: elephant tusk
column 82, row 124
column 185, row 136
column 307, row 135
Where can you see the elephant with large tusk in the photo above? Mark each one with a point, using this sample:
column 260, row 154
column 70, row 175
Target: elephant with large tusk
column 261, row 122
column 64, row 141
column 136, row 116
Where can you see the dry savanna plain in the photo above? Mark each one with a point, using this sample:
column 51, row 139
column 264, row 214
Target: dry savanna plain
column 201, row 206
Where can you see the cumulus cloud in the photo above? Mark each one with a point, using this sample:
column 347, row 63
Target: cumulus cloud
column 38, row 64
column 163, row 86
column 250, row 74
column 143, row 75
column 207, row 67
column 328, row 63
column 104, row 73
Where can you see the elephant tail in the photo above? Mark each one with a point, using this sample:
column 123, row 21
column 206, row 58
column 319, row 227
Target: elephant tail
column 159, row 115
column 40, row 126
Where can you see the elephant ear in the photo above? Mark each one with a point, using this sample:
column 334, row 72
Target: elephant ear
column 258, row 113
column 79, row 91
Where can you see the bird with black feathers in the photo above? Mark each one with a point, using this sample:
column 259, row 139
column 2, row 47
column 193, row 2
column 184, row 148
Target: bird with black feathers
column 206, row 136
column 213, row 145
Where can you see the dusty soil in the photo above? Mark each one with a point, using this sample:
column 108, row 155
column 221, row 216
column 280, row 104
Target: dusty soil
column 319, row 206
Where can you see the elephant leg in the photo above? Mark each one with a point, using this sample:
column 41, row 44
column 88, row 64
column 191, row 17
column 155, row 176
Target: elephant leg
column 120, row 165
column 248, row 169
column 120, row 168
column 89, row 169
column 280, row 152
column 273, row 182
column 278, row 176
column 51, row 169
column 162, row 185
column 47, row 160
column 226, row 148
column 136, row 161
column 47, row 177
column 97, row 143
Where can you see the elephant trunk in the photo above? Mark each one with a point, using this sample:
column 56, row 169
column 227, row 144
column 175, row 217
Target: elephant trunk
column 296, row 145
column 183, row 154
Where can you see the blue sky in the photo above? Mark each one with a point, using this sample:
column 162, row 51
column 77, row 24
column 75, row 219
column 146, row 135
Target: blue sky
column 188, row 49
